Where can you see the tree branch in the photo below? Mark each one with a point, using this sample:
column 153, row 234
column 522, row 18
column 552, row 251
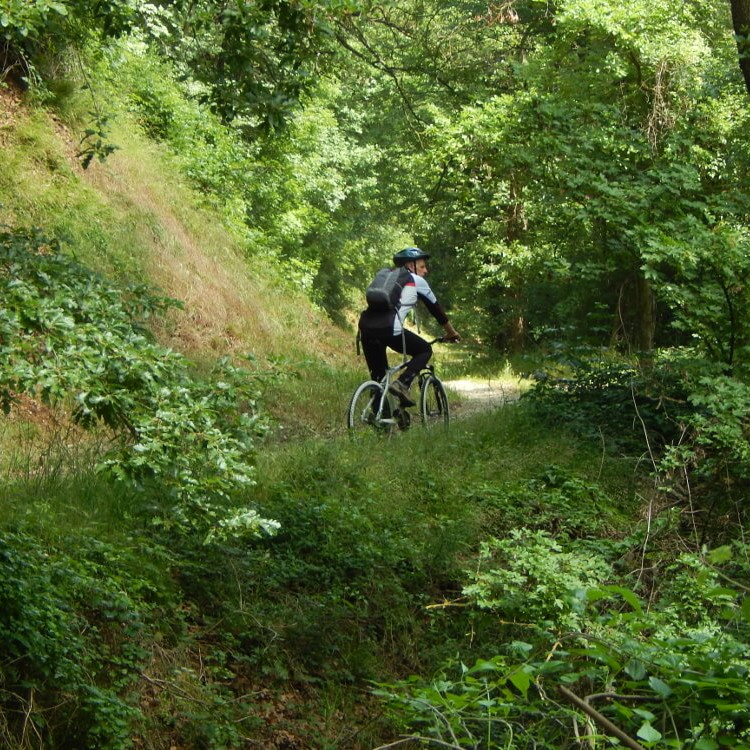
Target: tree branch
column 603, row 721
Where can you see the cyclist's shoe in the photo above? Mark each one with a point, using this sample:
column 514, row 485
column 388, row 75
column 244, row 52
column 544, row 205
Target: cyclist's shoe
column 403, row 418
column 397, row 388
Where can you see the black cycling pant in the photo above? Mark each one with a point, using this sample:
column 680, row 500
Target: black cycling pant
column 376, row 342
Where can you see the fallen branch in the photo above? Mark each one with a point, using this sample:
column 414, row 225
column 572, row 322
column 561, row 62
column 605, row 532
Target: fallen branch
column 603, row 721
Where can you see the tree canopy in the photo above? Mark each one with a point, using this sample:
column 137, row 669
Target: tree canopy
column 577, row 167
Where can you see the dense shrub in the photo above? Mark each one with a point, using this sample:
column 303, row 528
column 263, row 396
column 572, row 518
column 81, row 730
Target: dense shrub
column 671, row 672
column 73, row 642
column 34, row 30
column 70, row 338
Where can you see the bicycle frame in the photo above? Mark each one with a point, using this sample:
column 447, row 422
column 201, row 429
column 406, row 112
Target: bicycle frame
column 397, row 414
column 389, row 377
column 385, row 394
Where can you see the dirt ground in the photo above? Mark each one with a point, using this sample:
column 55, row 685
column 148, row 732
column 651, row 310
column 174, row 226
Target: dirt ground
column 482, row 395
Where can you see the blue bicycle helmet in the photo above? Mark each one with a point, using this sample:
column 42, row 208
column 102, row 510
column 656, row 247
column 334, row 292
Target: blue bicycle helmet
column 407, row 254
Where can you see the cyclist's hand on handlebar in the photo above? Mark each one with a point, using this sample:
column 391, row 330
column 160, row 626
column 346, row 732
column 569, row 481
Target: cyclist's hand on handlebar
column 451, row 334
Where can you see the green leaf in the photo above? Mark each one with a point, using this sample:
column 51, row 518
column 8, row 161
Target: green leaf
column 521, row 681
column 485, row 665
column 719, row 555
column 521, row 647
column 745, row 609
column 660, row 687
column 648, row 734
column 631, row 598
column 636, row 669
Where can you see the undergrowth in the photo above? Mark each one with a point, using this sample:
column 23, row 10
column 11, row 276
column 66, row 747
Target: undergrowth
column 463, row 586
column 293, row 628
column 594, row 626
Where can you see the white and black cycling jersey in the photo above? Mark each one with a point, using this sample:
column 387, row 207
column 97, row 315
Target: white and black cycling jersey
column 415, row 290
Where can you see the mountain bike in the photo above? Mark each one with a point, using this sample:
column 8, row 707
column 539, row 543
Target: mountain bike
column 373, row 406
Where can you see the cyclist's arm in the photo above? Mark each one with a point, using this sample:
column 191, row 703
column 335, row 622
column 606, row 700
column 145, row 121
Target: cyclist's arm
column 436, row 310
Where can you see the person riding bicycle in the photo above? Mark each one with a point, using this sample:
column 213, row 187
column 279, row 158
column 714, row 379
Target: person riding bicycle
column 380, row 330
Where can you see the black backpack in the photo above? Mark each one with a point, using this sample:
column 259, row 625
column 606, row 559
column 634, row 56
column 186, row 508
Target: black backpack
column 384, row 293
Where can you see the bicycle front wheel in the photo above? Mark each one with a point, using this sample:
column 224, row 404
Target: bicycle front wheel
column 363, row 408
column 433, row 403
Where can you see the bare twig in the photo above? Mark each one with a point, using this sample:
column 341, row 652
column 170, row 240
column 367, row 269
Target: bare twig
column 460, row 602
column 646, row 538
column 616, row 697
column 416, row 738
column 611, row 728
column 27, row 719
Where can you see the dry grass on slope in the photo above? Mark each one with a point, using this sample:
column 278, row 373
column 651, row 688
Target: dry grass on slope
column 232, row 304
column 134, row 217
column 133, row 214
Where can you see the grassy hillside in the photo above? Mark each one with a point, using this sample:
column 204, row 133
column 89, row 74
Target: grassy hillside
column 134, row 218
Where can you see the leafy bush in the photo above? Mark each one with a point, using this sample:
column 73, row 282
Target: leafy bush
column 720, row 423
column 68, row 337
column 632, row 407
column 31, row 29
column 68, row 629
column 556, row 501
column 338, row 566
column 529, row 576
column 658, row 673
column 212, row 154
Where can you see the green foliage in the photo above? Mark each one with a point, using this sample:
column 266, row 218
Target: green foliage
column 556, row 502
column 267, row 55
column 23, row 19
column 529, row 575
column 369, row 536
column 598, row 397
column 32, row 30
column 720, row 420
column 213, row 156
column 69, row 337
column 578, row 171
column 297, row 197
column 339, row 564
column 700, row 272
column 685, row 685
column 94, row 634
column 679, row 407
column 624, row 126
column 69, row 629
column 95, row 143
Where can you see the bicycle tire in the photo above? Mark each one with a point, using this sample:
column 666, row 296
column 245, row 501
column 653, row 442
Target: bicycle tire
column 433, row 403
column 363, row 406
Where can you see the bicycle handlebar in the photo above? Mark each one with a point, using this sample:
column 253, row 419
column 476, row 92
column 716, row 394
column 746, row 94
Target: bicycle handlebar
column 442, row 340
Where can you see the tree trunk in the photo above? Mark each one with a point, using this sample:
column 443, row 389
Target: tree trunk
column 646, row 320
column 741, row 23
column 634, row 324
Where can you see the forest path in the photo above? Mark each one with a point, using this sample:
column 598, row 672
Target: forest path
column 481, row 395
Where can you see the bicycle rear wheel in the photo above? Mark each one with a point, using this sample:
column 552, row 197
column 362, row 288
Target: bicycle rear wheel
column 433, row 403
column 363, row 407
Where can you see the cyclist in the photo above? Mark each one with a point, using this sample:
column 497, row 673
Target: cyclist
column 380, row 330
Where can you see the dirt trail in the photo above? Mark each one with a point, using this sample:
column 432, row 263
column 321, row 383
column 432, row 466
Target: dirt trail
column 482, row 395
